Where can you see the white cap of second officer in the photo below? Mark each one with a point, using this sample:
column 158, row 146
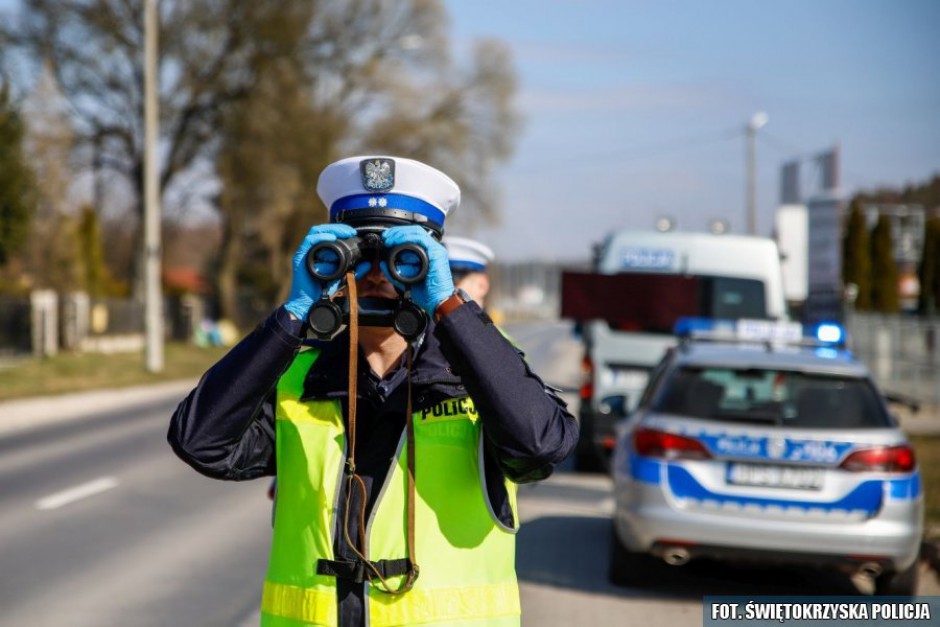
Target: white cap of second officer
column 467, row 254
column 376, row 186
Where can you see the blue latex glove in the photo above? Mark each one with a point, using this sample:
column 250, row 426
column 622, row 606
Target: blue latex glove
column 438, row 285
column 304, row 289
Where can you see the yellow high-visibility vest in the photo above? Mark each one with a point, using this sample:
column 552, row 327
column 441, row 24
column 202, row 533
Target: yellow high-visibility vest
column 465, row 554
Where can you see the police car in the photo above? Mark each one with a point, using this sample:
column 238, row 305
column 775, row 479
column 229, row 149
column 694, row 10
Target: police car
column 751, row 443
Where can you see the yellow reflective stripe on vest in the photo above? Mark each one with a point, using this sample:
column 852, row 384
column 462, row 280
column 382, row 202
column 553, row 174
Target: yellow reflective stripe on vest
column 422, row 606
column 309, row 605
column 442, row 605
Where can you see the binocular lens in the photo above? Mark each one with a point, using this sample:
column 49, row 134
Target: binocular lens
column 408, row 263
column 328, row 261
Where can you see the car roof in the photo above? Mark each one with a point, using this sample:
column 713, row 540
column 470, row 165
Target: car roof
column 742, row 355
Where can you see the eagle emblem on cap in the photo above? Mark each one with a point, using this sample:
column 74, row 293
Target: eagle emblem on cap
column 378, row 175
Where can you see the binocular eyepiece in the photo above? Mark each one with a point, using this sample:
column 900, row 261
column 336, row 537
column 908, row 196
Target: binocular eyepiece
column 328, row 261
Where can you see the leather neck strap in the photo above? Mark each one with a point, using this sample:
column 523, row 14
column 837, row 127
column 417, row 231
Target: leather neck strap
column 372, row 571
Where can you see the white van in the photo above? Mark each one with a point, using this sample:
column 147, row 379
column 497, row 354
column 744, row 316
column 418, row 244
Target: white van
column 643, row 282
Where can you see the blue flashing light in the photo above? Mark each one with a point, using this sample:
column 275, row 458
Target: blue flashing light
column 830, row 333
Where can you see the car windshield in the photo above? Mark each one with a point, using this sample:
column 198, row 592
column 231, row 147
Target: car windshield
column 772, row 397
column 731, row 299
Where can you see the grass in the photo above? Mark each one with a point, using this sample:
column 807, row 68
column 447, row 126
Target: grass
column 927, row 449
column 70, row 372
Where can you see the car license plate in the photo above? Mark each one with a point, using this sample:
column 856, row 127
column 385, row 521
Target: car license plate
column 775, row 476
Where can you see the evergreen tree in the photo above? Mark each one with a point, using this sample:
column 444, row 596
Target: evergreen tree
column 928, row 273
column 17, row 184
column 856, row 257
column 885, row 297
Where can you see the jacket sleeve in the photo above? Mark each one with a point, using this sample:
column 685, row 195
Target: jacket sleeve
column 528, row 428
column 224, row 428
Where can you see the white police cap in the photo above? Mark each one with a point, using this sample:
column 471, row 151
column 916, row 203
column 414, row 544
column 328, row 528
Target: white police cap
column 400, row 190
column 467, row 254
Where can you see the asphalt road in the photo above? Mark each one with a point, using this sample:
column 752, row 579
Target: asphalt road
column 100, row 524
column 146, row 541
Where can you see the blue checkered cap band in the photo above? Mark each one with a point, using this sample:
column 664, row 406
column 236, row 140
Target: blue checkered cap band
column 387, row 201
column 364, row 182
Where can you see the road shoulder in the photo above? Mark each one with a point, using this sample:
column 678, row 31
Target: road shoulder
column 25, row 414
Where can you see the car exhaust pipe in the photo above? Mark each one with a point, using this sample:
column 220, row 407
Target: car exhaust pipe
column 676, row 555
column 870, row 569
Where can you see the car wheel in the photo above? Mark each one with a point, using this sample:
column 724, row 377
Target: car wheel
column 629, row 568
column 901, row 583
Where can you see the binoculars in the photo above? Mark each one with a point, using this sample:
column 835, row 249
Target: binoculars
column 407, row 264
column 328, row 261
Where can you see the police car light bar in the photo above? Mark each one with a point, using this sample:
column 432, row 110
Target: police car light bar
column 765, row 331
column 829, row 333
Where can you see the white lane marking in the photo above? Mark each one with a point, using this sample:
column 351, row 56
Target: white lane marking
column 54, row 501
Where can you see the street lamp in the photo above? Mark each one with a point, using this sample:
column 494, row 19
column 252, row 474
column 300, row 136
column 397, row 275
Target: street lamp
column 757, row 122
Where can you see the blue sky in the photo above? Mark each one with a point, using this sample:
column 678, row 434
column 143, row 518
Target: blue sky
column 636, row 109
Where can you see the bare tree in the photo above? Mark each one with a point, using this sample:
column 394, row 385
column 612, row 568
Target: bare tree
column 374, row 77
column 50, row 259
column 94, row 50
column 264, row 94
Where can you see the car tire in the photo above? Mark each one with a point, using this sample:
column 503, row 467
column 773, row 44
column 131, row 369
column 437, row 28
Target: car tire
column 629, row 568
column 901, row 583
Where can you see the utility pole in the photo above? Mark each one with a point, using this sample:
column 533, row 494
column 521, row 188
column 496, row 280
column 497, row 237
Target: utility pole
column 758, row 120
column 153, row 294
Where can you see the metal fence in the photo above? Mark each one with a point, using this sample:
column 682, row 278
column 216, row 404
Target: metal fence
column 902, row 352
column 44, row 322
column 15, row 326
column 116, row 316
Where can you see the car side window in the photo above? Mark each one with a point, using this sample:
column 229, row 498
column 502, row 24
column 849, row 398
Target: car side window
column 655, row 379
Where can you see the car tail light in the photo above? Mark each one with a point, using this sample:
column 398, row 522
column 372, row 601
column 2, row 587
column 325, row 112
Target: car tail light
column 881, row 459
column 587, row 381
column 654, row 443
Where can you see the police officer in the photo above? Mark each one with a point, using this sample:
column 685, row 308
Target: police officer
column 397, row 461
column 468, row 263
